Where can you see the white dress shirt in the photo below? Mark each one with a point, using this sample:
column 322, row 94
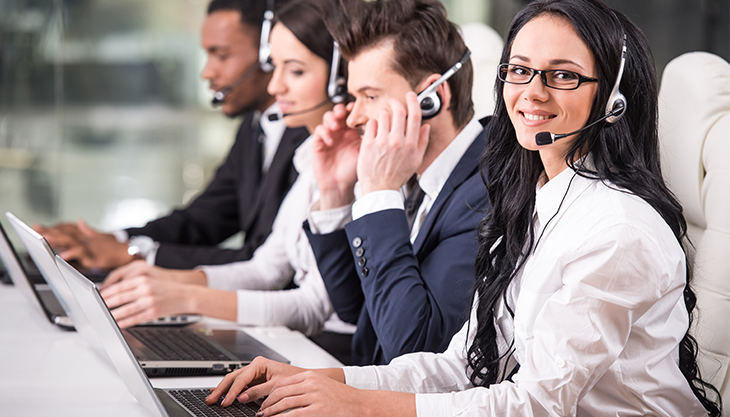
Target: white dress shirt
column 598, row 317
column 285, row 252
column 431, row 182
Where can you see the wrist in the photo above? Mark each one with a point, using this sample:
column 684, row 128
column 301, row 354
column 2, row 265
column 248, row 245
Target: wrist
column 334, row 198
column 369, row 187
column 140, row 247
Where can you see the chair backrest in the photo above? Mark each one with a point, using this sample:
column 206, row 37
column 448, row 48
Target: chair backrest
column 486, row 50
column 694, row 132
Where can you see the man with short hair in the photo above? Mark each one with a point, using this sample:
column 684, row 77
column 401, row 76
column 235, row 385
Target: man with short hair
column 402, row 270
column 248, row 187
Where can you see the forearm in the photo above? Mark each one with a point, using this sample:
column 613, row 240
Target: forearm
column 304, row 309
column 389, row 403
column 413, row 305
column 338, row 272
column 333, row 373
column 213, row 303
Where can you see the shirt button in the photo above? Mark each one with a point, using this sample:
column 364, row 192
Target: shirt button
column 359, row 252
column 360, row 262
column 356, row 242
column 560, row 362
column 364, row 271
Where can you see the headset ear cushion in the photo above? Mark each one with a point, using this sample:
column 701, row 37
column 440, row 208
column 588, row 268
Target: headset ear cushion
column 430, row 105
column 617, row 106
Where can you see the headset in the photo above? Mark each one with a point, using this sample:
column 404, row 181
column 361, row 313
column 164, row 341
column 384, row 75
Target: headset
column 263, row 64
column 264, row 46
column 337, row 84
column 336, row 87
column 428, row 99
column 615, row 107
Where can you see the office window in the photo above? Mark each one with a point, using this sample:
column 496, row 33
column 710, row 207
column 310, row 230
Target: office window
column 103, row 115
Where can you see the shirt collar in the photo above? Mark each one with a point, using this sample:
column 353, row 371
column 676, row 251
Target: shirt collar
column 435, row 176
column 303, row 156
column 273, row 129
column 563, row 188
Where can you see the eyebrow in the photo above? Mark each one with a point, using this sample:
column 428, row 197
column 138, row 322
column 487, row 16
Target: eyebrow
column 294, row 61
column 217, row 49
column 552, row 62
column 367, row 87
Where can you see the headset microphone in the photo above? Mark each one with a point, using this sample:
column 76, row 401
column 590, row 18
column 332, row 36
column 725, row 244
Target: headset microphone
column 546, row 138
column 275, row 116
column 220, row 95
column 615, row 108
column 264, row 63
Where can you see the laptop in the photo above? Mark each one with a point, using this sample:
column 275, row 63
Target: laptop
column 158, row 402
column 41, row 260
column 195, row 350
column 161, row 351
column 38, row 294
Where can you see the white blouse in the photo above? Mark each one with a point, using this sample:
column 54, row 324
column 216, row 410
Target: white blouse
column 285, row 253
column 598, row 317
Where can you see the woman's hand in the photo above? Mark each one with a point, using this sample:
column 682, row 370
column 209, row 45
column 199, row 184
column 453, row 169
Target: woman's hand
column 335, row 150
column 142, row 269
column 255, row 380
column 313, row 394
column 141, row 299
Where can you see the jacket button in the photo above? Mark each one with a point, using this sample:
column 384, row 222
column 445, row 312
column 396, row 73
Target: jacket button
column 362, row 261
column 364, row 271
column 359, row 252
column 356, row 242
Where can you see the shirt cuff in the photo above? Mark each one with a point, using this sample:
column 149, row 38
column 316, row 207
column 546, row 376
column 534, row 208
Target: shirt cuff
column 216, row 277
column 251, row 308
column 121, row 235
column 434, row 405
column 361, row 377
column 377, row 201
column 328, row 221
column 152, row 256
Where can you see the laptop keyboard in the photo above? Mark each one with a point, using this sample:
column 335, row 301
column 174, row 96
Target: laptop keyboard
column 194, row 400
column 178, row 344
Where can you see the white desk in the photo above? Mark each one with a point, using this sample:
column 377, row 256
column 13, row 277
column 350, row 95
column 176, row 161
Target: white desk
column 47, row 371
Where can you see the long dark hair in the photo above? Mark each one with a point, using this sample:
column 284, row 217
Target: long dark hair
column 625, row 155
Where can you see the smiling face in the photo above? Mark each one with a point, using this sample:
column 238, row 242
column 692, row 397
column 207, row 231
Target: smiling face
column 299, row 82
column 232, row 49
column 545, row 43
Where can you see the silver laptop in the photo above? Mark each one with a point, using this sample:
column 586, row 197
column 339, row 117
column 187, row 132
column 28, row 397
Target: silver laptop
column 161, row 351
column 38, row 294
column 41, row 281
column 159, row 402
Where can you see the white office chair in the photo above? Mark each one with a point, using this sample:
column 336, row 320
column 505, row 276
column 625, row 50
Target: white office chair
column 486, row 49
column 694, row 132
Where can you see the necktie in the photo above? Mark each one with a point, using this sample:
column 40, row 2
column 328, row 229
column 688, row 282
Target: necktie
column 413, row 201
column 258, row 157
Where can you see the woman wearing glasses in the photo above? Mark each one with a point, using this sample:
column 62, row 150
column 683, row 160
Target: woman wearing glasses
column 582, row 305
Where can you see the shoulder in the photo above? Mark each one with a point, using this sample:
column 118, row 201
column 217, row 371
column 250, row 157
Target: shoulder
column 606, row 216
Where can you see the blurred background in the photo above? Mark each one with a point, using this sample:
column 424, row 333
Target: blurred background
column 103, row 115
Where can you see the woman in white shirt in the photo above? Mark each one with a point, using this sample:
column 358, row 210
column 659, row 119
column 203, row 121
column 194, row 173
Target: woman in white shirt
column 250, row 292
column 584, row 304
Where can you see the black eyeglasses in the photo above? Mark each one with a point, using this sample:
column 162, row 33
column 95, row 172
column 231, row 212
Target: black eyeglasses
column 558, row 79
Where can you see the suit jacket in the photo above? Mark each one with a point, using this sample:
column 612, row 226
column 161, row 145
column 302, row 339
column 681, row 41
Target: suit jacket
column 237, row 199
column 407, row 298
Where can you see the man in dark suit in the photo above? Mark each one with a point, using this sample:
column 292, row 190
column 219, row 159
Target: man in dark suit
column 401, row 268
column 248, row 187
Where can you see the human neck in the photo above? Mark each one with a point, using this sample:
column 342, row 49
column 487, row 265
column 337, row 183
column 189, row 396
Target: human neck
column 443, row 132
